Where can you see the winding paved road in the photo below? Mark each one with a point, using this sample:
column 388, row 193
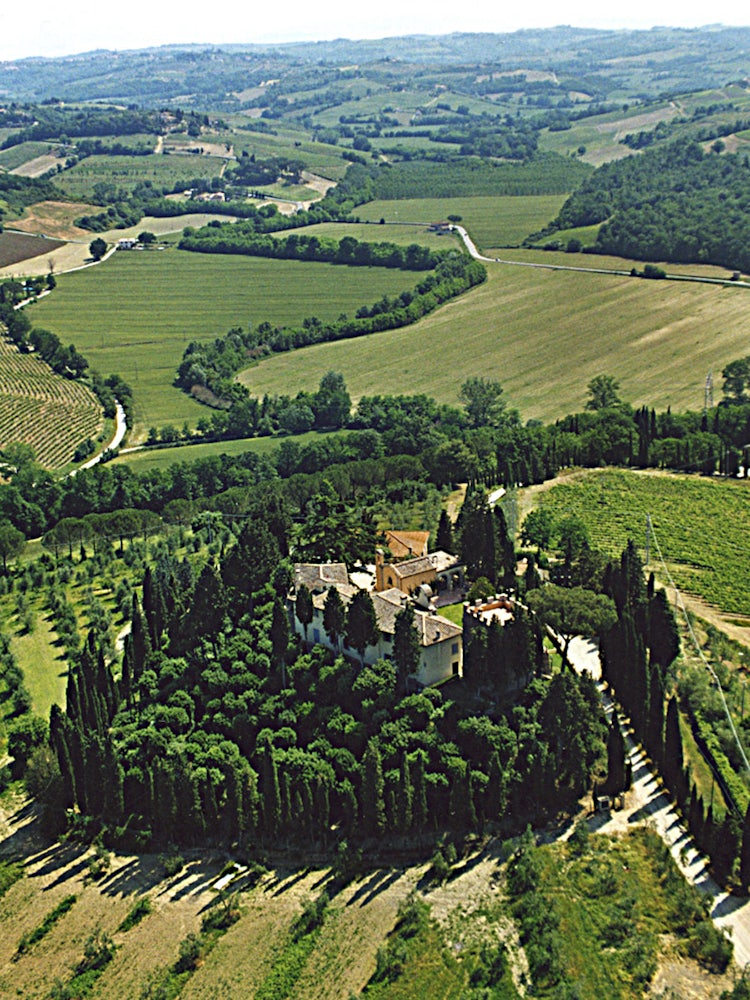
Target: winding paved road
column 471, row 247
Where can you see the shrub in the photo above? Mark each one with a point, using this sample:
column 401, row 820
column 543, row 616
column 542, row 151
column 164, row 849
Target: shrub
column 140, row 910
column 710, row 946
column 191, row 954
column 172, row 862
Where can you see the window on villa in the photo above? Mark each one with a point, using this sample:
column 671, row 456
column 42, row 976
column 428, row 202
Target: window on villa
column 454, row 649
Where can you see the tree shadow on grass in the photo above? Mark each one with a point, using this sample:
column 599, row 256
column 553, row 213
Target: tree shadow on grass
column 280, row 886
column 381, row 886
column 70, row 872
column 370, row 882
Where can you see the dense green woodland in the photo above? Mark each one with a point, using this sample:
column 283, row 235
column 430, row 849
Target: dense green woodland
column 673, row 203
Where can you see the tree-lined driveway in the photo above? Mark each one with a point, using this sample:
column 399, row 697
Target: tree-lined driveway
column 649, row 803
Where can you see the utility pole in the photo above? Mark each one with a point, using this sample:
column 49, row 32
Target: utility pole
column 708, row 392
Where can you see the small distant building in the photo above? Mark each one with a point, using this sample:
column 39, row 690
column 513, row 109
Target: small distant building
column 440, row 227
column 127, row 244
column 211, row 196
column 441, row 640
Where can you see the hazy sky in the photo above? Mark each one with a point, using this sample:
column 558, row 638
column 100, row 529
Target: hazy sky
column 49, row 27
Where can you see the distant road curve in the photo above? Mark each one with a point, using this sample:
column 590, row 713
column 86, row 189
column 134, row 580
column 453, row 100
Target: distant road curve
column 471, row 247
column 121, row 427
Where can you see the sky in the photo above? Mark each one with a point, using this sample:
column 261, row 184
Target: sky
column 53, row 28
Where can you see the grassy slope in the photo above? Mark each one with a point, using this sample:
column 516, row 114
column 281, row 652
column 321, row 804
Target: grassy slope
column 135, row 314
column 543, row 334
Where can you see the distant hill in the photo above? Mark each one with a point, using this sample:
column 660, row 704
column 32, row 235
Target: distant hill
column 618, row 63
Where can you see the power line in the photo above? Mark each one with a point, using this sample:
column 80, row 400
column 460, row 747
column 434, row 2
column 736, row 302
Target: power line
column 706, row 664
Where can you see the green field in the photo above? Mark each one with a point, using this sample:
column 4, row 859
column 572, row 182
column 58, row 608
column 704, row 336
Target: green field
column 491, row 221
column 127, row 171
column 135, row 314
column 543, row 334
column 161, row 458
column 319, row 157
column 21, row 153
column 701, row 526
column 601, row 134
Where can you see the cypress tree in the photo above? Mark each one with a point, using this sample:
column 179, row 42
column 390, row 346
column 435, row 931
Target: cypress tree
column 303, row 607
column 745, row 853
column 279, row 636
column 616, row 779
column 59, row 725
column 334, row 617
column 287, row 814
column 361, row 623
column 663, row 635
column 419, row 790
column 322, row 808
column 673, row 753
column 407, row 646
column 271, row 797
column 349, row 806
column 655, row 724
column 372, row 801
column 140, row 640
column 444, row 540
column 406, row 797
column 495, row 794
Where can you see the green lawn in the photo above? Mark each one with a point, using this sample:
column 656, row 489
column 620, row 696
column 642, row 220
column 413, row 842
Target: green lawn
column 37, row 655
column 162, row 458
column 135, row 314
column 491, row 221
column 543, row 334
